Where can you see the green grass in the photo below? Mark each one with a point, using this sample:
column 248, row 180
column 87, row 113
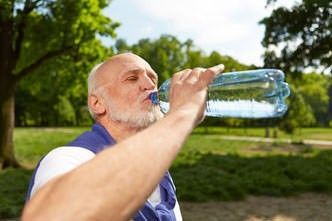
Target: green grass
column 32, row 143
column 13, row 186
column 208, row 167
column 315, row 133
column 299, row 134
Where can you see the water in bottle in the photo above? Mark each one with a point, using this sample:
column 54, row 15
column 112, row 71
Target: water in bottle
column 244, row 94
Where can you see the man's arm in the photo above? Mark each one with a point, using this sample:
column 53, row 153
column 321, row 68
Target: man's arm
column 115, row 184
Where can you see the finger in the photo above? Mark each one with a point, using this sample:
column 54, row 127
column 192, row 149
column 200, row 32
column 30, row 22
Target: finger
column 217, row 69
column 211, row 72
column 194, row 75
column 199, row 69
column 177, row 76
column 184, row 74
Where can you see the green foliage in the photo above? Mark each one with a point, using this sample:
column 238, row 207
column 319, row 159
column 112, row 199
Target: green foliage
column 38, row 104
column 232, row 177
column 57, row 42
column 194, row 57
column 164, row 54
column 303, row 33
column 314, row 89
column 230, row 63
column 300, row 134
column 13, row 187
column 303, row 36
column 65, row 110
column 299, row 114
column 207, row 169
column 62, row 25
column 167, row 55
column 32, row 143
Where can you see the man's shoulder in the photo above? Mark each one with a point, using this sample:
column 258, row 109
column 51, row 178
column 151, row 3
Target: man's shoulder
column 63, row 159
column 57, row 162
column 68, row 153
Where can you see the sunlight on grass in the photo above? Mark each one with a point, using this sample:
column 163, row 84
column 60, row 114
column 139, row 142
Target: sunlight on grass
column 300, row 133
column 32, row 143
column 208, row 168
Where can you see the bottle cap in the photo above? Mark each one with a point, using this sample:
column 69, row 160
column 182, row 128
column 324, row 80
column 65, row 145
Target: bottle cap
column 154, row 98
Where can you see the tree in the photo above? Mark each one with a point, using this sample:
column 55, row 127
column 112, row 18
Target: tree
column 314, row 88
column 298, row 38
column 37, row 105
column 329, row 109
column 165, row 54
column 299, row 115
column 33, row 32
column 193, row 56
column 303, row 35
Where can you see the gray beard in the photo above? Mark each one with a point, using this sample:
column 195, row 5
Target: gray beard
column 135, row 119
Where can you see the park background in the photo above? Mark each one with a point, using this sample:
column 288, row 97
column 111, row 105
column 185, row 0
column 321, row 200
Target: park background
column 49, row 46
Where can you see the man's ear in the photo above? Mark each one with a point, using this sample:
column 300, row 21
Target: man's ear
column 96, row 104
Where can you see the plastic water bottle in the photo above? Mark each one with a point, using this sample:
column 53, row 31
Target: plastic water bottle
column 244, row 94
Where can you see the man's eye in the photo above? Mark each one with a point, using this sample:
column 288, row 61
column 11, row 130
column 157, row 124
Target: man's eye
column 132, row 78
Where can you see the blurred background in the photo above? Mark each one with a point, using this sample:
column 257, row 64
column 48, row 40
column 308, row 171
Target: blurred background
column 229, row 169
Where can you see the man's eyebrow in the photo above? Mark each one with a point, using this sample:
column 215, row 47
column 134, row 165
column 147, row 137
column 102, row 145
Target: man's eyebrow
column 132, row 71
column 138, row 70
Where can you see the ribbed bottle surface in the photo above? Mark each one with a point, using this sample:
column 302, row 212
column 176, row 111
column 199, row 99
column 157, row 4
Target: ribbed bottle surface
column 244, row 94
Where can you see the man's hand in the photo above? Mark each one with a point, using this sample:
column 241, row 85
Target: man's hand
column 189, row 90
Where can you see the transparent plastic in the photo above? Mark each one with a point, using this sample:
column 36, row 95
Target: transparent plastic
column 244, row 94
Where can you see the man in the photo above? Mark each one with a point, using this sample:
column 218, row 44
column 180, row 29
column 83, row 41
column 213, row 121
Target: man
column 87, row 180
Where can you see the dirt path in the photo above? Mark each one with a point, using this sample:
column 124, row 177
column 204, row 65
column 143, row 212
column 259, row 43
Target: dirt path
column 307, row 207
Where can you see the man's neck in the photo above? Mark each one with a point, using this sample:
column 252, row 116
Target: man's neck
column 119, row 130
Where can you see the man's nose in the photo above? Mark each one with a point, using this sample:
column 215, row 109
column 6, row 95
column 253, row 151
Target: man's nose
column 147, row 84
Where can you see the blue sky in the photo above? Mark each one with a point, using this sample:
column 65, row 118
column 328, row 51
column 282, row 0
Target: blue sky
column 227, row 26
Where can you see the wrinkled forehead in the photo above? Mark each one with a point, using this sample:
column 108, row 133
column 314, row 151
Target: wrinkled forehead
column 117, row 66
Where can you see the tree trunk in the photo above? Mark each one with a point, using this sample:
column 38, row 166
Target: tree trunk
column 7, row 102
column 206, row 129
column 329, row 111
column 8, row 61
column 275, row 132
column 267, row 132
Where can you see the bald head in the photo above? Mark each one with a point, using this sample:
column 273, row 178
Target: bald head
column 109, row 71
column 101, row 73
